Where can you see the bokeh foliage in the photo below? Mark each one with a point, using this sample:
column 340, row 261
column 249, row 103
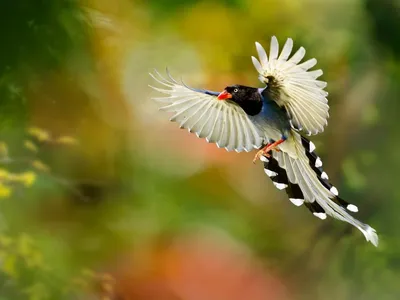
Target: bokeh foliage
column 95, row 185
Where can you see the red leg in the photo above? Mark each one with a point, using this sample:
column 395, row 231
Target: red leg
column 264, row 151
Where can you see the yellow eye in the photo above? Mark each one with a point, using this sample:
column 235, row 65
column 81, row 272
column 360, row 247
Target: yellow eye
column 235, row 90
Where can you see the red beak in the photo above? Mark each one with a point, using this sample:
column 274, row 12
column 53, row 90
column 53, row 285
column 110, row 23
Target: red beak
column 224, row 95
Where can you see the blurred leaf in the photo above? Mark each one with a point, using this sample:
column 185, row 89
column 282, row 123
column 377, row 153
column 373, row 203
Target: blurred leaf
column 3, row 150
column 4, row 174
column 5, row 241
column 88, row 273
column 370, row 115
column 40, row 134
column 24, row 245
column 368, row 157
column 27, row 178
column 355, row 179
column 168, row 8
column 36, row 37
column 5, row 191
column 35, row 260
column 384, row 16
column 9, row 265
column 67, row 140
column 37, row 291
column 43, row 33
column 30, row 146
column 39, row 165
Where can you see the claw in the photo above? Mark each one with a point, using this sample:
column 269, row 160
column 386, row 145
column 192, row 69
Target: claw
column 265, row 150
column 260, row 153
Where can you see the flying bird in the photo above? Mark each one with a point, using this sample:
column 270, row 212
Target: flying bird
column 273, row 119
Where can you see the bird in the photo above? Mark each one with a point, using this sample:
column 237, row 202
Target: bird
column 274, row 119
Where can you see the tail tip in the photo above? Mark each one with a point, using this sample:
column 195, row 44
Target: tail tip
column 371, row 236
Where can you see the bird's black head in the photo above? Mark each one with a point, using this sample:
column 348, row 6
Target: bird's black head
column 248, row 98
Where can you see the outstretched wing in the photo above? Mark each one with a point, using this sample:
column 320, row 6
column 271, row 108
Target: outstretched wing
column 199, row 111
column 292, row 85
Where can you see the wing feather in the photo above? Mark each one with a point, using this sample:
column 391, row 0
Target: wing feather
column 240, row 143
column 274, row 48
column 246, row 133
column 199, row 124
column 199, row 111
column 292, row 85
column 287, row 49
column 224, row 136
column 232, row 132
column 191, row 122
column 298, row 56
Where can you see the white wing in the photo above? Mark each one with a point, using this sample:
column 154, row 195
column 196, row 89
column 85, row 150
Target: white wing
column 199, row 111
column 292, row 85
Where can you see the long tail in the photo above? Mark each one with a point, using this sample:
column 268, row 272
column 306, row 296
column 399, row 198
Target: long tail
column 306, row 183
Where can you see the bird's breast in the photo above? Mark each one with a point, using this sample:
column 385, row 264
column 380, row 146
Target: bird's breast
column 251, row 107
column 266, row 128
column 274, row 115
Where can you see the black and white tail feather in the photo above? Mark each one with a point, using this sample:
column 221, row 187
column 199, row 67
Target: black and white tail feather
column 306, row 183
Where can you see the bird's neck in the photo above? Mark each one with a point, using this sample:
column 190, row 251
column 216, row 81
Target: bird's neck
column 253, row 103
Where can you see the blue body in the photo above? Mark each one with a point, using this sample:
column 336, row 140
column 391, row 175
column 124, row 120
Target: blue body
column 273, row 115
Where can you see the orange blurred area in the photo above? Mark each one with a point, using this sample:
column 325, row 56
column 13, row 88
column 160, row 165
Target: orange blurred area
column 198, row 267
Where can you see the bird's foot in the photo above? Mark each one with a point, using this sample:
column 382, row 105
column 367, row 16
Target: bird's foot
column 260, row 153
column 265, row 151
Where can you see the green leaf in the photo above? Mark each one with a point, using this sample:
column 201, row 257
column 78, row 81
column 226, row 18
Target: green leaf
column 9, row 265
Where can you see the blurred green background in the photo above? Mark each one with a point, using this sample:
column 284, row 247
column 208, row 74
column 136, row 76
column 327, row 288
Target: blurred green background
column 103, row 198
